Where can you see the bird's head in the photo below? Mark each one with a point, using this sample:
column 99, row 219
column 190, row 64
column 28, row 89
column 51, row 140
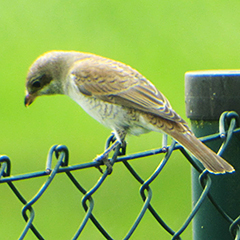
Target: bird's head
column 46, row 75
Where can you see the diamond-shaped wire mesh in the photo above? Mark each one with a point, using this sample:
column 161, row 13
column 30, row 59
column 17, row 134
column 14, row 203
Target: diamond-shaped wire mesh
column 61, row 154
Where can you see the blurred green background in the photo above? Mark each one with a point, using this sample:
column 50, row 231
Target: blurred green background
column 163, row 40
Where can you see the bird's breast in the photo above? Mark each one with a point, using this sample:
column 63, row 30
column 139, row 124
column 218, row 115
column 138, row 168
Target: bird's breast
column 111, row 115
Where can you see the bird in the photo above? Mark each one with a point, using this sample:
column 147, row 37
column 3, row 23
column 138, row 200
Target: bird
column 117, row 96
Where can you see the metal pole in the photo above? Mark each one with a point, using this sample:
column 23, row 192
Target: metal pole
column 208, row 94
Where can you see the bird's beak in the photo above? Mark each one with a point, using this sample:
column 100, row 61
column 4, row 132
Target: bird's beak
column 29, row 98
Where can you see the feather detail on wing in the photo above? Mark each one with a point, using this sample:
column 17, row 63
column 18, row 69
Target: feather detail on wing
column 118, row 83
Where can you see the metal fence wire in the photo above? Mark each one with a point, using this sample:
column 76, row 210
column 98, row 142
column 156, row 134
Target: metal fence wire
column 60, row 152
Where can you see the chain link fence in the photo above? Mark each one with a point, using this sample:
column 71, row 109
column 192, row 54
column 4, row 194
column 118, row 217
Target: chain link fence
column 60, row 152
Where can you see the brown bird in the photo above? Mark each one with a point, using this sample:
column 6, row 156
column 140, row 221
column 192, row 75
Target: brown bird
column 117, row 96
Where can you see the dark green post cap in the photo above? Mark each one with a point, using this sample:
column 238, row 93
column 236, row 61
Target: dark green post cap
column 209, row 93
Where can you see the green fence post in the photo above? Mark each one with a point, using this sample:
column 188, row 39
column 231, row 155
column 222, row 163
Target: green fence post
column 208, row 94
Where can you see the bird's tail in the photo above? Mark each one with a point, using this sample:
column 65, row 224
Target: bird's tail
column 210, row 160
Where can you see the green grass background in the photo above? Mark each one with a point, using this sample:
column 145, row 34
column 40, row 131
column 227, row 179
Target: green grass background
column 163, row 40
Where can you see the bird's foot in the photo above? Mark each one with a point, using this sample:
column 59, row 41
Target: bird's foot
column 122, row 150
column 103, row 159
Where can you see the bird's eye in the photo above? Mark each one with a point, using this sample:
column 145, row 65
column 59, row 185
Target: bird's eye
column 36, row 84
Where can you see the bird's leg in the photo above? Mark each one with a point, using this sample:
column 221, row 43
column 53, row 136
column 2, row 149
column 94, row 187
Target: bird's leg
column 164, row 142
column 117, row 138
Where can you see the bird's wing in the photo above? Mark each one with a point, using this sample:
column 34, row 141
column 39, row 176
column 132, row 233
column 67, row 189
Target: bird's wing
column 118, row 83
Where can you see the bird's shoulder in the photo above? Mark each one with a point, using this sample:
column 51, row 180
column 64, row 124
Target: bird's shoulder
column 100, row 75
column 118, row 83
